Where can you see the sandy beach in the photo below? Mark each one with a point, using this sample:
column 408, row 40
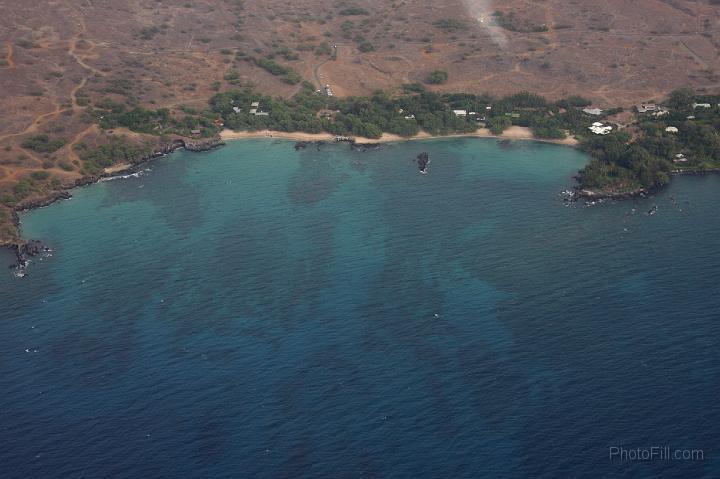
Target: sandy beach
column 119, row 168
column 512, row 133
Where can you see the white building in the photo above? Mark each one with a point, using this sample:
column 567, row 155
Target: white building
column 646, row 107
column 256, row 110
column 671, row 129
column 701, row 105
column 460, row 113
column 592, row 111
column 600, row 129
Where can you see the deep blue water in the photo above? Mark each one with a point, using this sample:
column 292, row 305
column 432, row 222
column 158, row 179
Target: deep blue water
column 262, row 312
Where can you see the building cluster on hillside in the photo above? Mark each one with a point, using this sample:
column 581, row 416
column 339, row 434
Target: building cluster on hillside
column 652, row 108
column 407, row 117
column 256, row 110
column 473, row 114
column 658, row 111
column 646, row 107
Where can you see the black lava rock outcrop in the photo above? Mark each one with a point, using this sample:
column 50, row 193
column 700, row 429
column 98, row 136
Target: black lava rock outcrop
column 423, row 161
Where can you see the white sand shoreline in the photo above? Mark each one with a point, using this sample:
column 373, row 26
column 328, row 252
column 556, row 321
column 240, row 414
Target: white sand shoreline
column 512, row 133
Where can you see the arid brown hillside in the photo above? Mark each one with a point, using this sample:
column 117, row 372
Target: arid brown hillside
column 58, row 57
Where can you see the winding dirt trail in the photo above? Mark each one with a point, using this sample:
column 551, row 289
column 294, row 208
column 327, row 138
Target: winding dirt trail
column 72, row 51
column 72, row 156
column 9, row 59
column 72, row 48
column 32, row 128
column 73, row 93
column 316, row 70
column 80, row 59
column 551, row 33
column 695, row 56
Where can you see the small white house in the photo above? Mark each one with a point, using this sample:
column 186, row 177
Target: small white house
column 592, row 111
column 255, row 104
column 460, row 113
column 646, row 107
column 680, row 158
column 237, row 109
column 671, row 129
column 701, row 105
column 600, row 129
column 409, row 117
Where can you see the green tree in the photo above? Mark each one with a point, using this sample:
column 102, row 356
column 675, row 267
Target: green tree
column 498, row 124
column 437, row 77
column 681, row 98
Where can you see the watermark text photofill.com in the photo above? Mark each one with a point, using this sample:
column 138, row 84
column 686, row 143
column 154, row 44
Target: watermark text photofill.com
column 655, row 453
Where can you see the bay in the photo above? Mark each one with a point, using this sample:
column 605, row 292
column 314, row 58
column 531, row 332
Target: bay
column 258, row 311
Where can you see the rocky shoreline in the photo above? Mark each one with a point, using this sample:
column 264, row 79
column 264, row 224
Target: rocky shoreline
column 301, row 145
column 354, row 145
column 591, row 195
column 695, row 172
column 579, row 193
column 25, row 249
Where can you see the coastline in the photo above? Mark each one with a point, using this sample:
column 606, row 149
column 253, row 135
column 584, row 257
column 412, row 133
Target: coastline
column 24, row 248
column 512, row 133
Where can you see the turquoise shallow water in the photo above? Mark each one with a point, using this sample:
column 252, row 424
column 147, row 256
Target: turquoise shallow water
column 261, row 312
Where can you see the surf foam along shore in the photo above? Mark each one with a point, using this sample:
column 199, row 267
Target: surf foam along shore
column 512, row 133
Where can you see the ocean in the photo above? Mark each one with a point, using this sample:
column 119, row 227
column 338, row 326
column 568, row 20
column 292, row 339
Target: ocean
column 261, row 312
